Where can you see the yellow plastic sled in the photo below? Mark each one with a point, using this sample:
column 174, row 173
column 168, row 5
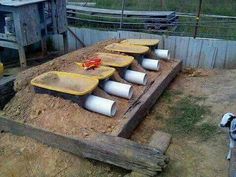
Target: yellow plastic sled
column 142, row 42
column 102, row 72
column 69, row 83
column 127, row 48
column 115, row 60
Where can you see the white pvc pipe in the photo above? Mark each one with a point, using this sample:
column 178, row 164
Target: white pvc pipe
column 100, row 105
column 135, row 77
column 164, row 54
column 150, row 64
column 118, row 89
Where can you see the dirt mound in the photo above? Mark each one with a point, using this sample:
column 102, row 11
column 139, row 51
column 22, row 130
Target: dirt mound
column 59, row 115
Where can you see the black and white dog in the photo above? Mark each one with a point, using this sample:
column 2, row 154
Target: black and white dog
column 229, row 121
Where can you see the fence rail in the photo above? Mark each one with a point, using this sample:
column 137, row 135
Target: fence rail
column 158, row 22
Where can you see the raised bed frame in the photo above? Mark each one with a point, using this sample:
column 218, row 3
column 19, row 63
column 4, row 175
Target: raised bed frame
column 101, row 146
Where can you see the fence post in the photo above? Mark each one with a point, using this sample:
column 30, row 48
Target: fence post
column 197, row 19
column 122, row 14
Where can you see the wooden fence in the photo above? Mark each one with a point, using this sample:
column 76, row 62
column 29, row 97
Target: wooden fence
column 197, row 53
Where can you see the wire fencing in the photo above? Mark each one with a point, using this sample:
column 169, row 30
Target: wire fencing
column 108, row 16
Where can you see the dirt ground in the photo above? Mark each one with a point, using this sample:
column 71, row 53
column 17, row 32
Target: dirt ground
column 190, row 156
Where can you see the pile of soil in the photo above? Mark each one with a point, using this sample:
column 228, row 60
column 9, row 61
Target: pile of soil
column 63, row 116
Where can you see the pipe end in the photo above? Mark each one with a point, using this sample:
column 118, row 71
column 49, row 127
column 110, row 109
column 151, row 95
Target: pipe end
column 113, row 109
column 163, row 54
column 145, row 79
column 131, row 92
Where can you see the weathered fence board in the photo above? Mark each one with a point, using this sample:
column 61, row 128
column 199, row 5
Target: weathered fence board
column 182, row 49
column 221, row 50
column 231, row 55
column 197, row 53
column 207, row 55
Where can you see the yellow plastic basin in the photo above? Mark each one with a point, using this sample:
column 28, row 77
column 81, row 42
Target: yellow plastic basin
column 102, row 72
column 143, row 42
column 115, row 60
column 127, row 48
column 70, row 83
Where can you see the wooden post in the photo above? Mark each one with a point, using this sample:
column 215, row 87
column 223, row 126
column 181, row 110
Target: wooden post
column 44, row 46
column 22, row 57
column 65, row 41
column 162, row 4
column 122, row 14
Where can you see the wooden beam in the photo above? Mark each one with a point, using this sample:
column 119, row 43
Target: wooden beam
column 109, row 149
column 65, row 42
column 11, row 45
column 22, row 56
column 4, row 36
column 138, row 111
column 159, row 140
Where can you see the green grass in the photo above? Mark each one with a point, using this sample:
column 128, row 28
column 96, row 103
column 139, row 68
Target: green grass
column 219, row 7
column 209, row 27
column 186, row 117
column 168, row 95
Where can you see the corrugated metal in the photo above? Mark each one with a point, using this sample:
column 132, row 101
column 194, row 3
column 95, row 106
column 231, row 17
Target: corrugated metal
column 197, row 53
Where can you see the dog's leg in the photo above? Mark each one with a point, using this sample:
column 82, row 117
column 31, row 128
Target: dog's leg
column 231, row 145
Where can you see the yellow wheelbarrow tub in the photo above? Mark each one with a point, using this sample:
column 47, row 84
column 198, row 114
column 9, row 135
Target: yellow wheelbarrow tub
column 142, row 42
column 127, row 48
column 69, row 83
column 101, row 72
column 115, row 60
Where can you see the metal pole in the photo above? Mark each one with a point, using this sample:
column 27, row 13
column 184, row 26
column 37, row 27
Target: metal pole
column 197, row 19
column 122, row 13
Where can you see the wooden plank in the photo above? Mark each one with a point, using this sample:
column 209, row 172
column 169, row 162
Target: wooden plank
column 61, row 18
column 170, row 44
column 232, row 163
column 207, row 55
column 139, row 110
column 221, row 50
column 113, row 150
column 11, row 45
column 230, row 61
column 194, row 52
column 181, row 51
column 7, row 37
column 29, row 24
column 159, row 140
